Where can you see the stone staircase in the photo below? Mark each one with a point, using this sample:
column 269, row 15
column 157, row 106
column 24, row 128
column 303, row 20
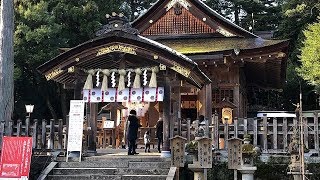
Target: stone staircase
column 113, row 168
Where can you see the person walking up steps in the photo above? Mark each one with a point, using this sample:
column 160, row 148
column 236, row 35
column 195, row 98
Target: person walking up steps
column 159, row 133
column 146, row 139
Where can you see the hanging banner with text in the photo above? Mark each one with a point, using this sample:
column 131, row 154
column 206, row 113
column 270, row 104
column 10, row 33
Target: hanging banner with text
column 75, row 130
column 145, row 94
column 15, row 157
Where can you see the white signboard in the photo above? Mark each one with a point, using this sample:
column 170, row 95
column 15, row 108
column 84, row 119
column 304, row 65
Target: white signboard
column 108, row 124
column 75, row 130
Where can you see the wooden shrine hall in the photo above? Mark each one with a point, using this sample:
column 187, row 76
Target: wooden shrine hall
column 179, row 60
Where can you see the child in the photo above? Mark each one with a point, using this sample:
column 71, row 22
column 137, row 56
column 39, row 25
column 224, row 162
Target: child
column 146, row 139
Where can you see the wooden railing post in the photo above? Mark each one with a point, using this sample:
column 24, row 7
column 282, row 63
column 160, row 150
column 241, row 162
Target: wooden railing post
column 43, row 134
column 245, row 126
column 316, row 130
column 60, row 126
column 27, row 126
column 275, row 133
column 285, row 133
column 265, row 132
column 255, row 132
column 35, row 134
column 235, row 127
column 2, row 128
column 19, row 127
column 10, row 128
column 188, row 129
column 51, row 135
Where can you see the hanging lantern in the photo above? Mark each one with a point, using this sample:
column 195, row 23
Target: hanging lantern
column 227, row 115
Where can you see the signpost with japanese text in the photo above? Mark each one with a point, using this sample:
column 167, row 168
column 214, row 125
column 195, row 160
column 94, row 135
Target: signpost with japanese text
column 15, row 157
column 75, row 130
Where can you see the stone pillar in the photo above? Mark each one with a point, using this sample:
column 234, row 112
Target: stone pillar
column 166, row 118
column 216, row 131
column 305, row 131
column 226, row 135
column 247, row 172
column 245, row 126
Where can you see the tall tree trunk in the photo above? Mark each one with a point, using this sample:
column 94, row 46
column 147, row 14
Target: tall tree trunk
column 236, row 15
column 6, row 60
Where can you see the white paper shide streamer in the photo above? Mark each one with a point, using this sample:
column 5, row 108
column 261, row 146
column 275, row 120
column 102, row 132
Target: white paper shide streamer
column 145, row 82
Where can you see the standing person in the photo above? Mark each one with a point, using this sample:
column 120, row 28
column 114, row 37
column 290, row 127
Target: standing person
column 146, row 139
column 132, row 132
column 159, row 132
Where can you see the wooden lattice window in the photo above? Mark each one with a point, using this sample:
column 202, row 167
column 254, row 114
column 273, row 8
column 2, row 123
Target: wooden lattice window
column 219, row 94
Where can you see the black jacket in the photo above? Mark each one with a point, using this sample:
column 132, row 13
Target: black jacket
column 133, row 123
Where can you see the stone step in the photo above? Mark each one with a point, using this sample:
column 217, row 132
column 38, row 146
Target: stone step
column 107, row 177
column 149, row 165
column 128, row 171
column 95, row 164
column 84, row 171
column 84, row 177
column 109, row 171
column 126, row 158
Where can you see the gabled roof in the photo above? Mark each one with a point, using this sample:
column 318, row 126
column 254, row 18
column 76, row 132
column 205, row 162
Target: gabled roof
column 198, row 9
column 119, row 38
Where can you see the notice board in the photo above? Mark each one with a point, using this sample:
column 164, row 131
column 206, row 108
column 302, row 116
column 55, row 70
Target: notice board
column 75, row 129
column 15, row 157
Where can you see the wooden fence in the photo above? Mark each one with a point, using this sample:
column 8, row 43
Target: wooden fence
column 47, row 135
column 271, row 134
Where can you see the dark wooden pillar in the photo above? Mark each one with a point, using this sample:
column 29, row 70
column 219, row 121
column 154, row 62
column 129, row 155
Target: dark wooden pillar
column 208, row 113
column 77, row 86
column 114, row 118
column 166, row 116
column 92, row 123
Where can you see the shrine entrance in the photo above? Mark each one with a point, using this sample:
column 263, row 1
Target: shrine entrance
column 121, row 70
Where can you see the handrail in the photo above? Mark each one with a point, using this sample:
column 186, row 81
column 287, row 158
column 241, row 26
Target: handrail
column 172, row 173
column 47, row 170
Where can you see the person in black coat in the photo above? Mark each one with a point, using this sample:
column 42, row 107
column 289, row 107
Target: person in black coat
column 132, row 132
column 159, row 132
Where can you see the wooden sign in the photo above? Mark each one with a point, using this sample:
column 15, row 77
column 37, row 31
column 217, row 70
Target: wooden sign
column 234, row 153
column 177, row 151
column 205, row 152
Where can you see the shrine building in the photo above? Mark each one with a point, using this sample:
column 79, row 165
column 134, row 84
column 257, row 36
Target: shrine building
column 178, row 60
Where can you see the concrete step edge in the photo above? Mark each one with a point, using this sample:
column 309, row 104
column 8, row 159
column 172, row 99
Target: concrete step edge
column 84, row 168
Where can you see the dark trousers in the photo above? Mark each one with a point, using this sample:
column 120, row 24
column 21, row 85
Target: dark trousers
column 147, row 147
column 132, row 146
column 160, row 142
